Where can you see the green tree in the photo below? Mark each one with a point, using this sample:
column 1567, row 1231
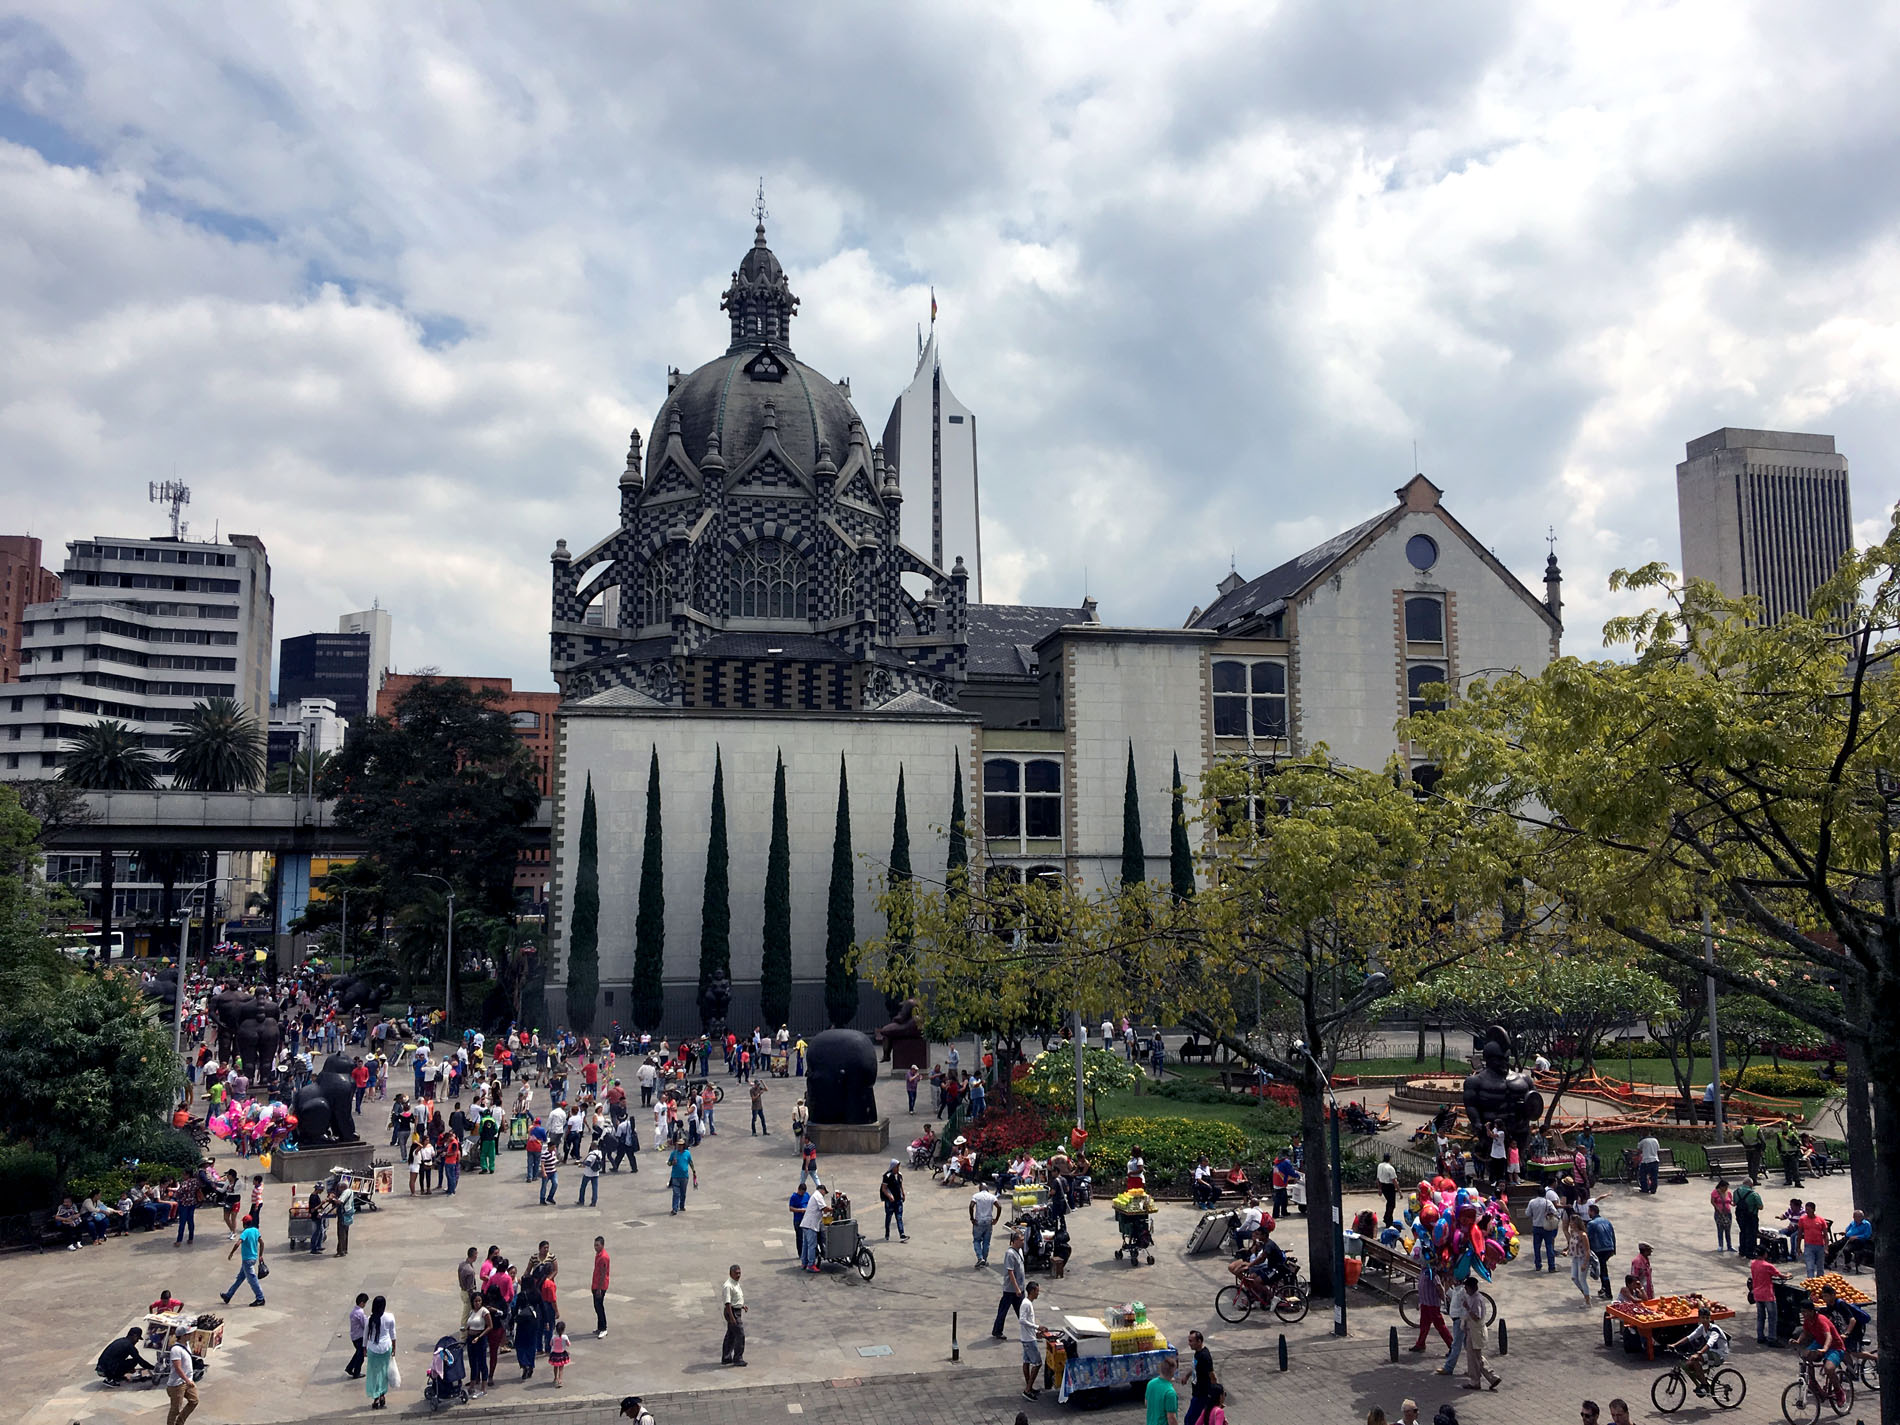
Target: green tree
column 775, row 963
column 304, row 769
column 108, row 756
column 219, row 748
column 902, row 979
column 1134, row 858
column 649, row 925
column 583, row 941
column 29, row 966
column 441, row 786
column 841, row 972
column 88, row 1069
column 958, row 859
column 1180, row 851
column 1737, row 767
column 1051, row 1077
column 715, row 911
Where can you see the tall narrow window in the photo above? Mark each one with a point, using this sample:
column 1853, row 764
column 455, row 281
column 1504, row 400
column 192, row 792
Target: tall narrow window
column 656, row 592
column 844, row 584
column 766, row 580
column 1424, row 619
column 1417, row 677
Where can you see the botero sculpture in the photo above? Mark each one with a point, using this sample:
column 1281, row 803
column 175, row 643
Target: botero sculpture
column 323, row 1106
column 1498, row 1094
column 840, row 1075
column 714, row 1001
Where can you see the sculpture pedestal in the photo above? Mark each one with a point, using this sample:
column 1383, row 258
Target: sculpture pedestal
column 906, row 1053
column 850, row 1137
column 308, row 1165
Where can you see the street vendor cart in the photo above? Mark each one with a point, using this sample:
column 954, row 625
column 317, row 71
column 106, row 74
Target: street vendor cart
column 1134, row 1214
column 1092, row 1355
column 1673, row 1316
column 198, row 1332
column 839, row 1244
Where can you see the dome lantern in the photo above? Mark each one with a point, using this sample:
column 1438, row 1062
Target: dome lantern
column 760, row 300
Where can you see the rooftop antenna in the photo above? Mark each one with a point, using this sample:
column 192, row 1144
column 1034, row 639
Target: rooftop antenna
column 170, row 492
column 758, row 208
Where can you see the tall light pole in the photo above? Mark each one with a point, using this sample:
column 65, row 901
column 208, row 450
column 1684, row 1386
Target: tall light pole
column 448, row 972
column 1338, row 1203
column 184, row 955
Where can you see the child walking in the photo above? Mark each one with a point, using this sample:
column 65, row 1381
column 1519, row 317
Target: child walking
column 558, row 1356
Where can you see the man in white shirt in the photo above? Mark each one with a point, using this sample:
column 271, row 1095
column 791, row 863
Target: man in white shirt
column 1648, row 1163
column 178, row 1385
column 557, row 1128
column 1542, row 1212
column 732, row 1299
column 648, row 1077
column 1032, row 1340
column 1108, row 1033
column 982, row 1220
column 1389, row 1186
column 811, row 1222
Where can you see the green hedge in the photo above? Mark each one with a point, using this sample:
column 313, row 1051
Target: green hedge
column 27, row 1180
column 1783, row 1083
column 1170, row 1146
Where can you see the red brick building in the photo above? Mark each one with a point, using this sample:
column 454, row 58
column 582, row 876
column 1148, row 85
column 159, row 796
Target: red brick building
column 533, row 717
column 23, row 581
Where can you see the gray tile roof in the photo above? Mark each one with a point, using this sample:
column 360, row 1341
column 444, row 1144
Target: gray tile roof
column 1259, row 595
column 1003, row 637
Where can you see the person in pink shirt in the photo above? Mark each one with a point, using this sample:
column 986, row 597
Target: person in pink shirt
column 1640, row 1270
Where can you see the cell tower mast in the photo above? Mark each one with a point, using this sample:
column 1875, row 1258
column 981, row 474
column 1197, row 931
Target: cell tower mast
column 175, row 493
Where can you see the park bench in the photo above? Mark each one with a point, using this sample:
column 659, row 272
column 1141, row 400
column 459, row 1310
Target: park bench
column 1666, row 1168
column 1385, row 1270
column 35, row 1229
column 1195, row 1048
column 1727, row 1160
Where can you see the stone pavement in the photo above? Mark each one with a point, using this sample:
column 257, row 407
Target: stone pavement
column 809, row 1336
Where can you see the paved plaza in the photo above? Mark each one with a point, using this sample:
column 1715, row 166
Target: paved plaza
column 829, row 1348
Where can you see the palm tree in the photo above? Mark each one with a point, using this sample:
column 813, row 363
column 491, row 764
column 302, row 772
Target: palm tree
column 220, row 749
column 108, row 756
column 296, row 774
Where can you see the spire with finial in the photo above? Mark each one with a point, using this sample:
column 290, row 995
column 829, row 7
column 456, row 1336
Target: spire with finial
column 759, row 301
column 1553, row 577
column 631, row 476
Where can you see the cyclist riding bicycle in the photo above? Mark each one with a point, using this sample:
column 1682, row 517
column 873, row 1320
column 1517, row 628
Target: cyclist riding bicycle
column 1824, row 1343
column 1268, row 1266
column 1703, row 1349
column 1852, row 1320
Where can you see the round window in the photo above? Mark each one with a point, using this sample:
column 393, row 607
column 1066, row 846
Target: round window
column 1421, row 551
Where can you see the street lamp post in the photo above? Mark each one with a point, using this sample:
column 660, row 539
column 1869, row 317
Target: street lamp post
column 184, row 955
column 448, row 972
column 1338, row 1203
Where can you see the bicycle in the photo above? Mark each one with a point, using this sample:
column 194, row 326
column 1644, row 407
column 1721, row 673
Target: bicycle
column 1727, row 1386
column 1867, row 1369
column 1802, row 1401
column 1246, row 1294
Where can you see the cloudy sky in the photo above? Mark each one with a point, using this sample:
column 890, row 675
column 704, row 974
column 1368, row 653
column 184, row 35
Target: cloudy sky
column 388, row 286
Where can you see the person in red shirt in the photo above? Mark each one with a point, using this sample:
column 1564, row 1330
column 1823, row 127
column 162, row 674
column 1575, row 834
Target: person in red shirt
column 1826, row 1344
column 359, row 1081
column 451, row 1155
column 603, row 1266
column 1762, row 1276
column 1813, row 1228
column 591, row 1074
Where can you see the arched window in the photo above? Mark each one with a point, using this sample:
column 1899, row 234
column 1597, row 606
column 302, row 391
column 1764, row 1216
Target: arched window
column 1418, row 677
column 1425, row 619
column 767, row 580
column 656, row 592
column 844, row 573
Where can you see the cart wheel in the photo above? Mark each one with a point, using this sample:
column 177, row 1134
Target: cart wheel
column 1408, row 1307
column 719, row 1093
column 867, row 1264
column 1151, row 1259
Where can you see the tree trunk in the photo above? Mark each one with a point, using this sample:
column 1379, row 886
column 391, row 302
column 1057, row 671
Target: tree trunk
column 1884, row 1201
column 107, row 866
column 1318, row 1170
column 1419, row 1057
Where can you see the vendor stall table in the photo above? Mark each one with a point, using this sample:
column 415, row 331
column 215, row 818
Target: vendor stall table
column 1103, row 1372
column 1846, row 1289
column 1663, row 1313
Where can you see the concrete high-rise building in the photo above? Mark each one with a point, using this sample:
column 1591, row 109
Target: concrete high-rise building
column 22, row 583
column 141, row 630
column 335, row 666
column 1764, row 513
column 376, row 622
column 931, row 439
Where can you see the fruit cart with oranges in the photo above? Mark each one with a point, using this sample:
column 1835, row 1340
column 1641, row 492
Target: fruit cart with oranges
column 1674, row 1316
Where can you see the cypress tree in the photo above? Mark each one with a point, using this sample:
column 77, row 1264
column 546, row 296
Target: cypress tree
column 1134, row 859
column 775, row 965
column 955, row 872
column 649, row 926
column 1180, row 853
column 715, row 913
column 583, row 941
column 902, row 962
column 841, row 976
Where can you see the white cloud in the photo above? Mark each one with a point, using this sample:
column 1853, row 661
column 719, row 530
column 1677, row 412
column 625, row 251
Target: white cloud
column 391, row 286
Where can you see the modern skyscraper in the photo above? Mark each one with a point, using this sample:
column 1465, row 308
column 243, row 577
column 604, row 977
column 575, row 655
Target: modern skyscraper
column 336, row 666
column 22, row 582
column 374, row 621
column 141, row 630
column 1764, row 513
column 931, row 438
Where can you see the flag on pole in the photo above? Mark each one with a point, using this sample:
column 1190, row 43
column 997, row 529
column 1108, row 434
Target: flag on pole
column 933, row 306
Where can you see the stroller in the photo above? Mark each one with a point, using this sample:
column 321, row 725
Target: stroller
column 1039, row 1235
column 447, row 1380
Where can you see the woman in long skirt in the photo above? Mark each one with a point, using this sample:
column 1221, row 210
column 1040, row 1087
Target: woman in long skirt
column 527, row 1337
column 379, row 1349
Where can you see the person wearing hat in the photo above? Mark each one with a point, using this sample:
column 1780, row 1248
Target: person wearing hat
column 891, row 1191
column 632, row 1409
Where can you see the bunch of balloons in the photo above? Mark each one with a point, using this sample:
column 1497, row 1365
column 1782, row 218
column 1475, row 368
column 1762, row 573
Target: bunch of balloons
column 254, row 1126
column 1464, row 1232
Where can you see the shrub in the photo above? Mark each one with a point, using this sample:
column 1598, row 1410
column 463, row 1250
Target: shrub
column 1783, row 1083
column 1003, row 1133
column 1188, row 1091
column 1170, row 1146
column 26, row 1180
column 108, row 1184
